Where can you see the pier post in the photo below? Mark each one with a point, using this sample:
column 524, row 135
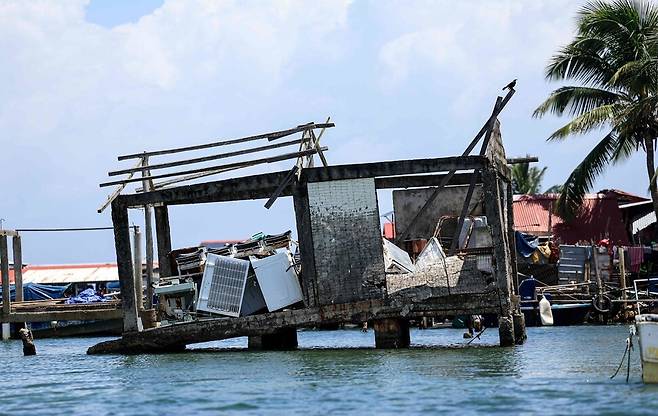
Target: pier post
column 4, row 270
column 281, row 339
column 495, row 200
column 163, row 237
column 137, row 268
column 519, row 328
column 131, row 322
column 18, row 267
column 391, row 333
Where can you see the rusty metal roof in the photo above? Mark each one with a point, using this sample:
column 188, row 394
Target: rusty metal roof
column 600, row 217
column 70, row 273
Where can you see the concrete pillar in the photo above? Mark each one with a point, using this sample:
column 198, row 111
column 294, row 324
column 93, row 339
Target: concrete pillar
column 391, row 333
column 137, row 267
column 519, row 328
column 282, row 339
column 18, row 267
column 5, row 331
column 4, row 271
column 163, row 237
column 131, row 321
column 506, row 331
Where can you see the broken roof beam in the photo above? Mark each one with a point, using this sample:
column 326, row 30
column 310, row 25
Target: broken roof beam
column 243, row 164
column 208, row 158
column 270, row 136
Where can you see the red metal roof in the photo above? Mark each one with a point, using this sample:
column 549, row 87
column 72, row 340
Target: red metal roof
column 600, row 218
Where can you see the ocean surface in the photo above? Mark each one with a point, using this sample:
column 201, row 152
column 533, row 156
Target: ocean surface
column 560, row 370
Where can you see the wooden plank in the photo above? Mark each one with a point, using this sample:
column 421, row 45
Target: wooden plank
column 207, row 158
column 517, row 160
column 423, row 181
column 270, row 136
column 18, row 267
column 124, row 266
column 8, row 233
column 4, row 272
column 118, row 190
column 279, row 190
column 250, row 163
column 69, row 315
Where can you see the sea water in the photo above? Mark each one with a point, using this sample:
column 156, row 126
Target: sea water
column 559, row 370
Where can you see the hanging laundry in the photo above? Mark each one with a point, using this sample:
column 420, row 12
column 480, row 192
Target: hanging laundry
column 636, row 255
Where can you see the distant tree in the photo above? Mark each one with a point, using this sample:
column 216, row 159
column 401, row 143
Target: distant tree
column 526, row 179
column 555, row 189
column 614, row 59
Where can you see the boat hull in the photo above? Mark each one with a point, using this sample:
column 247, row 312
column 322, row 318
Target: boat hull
column 647, row 331
column 563, row 315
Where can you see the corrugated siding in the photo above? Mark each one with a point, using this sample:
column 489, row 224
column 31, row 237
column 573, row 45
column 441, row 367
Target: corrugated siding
column 71, row 274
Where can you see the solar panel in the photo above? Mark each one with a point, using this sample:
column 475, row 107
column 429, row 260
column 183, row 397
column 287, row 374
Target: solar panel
column 223, row 284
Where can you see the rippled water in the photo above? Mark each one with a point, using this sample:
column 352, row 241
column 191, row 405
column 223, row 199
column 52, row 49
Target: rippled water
column 558, row 371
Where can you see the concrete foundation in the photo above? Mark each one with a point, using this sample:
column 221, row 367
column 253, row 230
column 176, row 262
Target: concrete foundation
column 506, row 331
column 282, row 339
column 519, row 328
column 391, row 333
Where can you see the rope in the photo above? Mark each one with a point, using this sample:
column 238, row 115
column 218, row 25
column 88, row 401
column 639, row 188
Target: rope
column 477, row 336
column 629, row 348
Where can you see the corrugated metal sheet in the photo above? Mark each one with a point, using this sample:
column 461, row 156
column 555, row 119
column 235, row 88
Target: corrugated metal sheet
column 643, row 222
column 71, row 273
column 600, row 218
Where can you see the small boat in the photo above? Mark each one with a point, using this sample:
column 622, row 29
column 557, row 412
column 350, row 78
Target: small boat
column 572, row 313
column 647, row 331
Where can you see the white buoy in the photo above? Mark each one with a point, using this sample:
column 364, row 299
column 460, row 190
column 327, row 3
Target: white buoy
column 545, row 312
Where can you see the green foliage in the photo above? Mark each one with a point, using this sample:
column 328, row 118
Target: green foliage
column 526, row 179
column 614, row 58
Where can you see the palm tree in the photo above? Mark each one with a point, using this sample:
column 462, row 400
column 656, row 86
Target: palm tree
column 526, row 179
column 614, row 59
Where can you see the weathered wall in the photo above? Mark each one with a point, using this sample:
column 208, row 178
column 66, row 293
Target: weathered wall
column 407, row 202
column 347, row 245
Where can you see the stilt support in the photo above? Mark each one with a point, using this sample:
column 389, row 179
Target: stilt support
column 391, row 333
column 519, row 328
column 506, row 331
column 282, row 339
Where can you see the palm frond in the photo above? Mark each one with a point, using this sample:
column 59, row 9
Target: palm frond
column 596, row 118
column 576, row 100
column 582, row 178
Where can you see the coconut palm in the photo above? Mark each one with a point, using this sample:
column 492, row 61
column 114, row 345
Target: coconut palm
column 526, row 179
column 614, row 60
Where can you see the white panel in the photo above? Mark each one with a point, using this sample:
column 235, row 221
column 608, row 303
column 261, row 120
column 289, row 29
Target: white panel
column 222, row 286
column 278, row 281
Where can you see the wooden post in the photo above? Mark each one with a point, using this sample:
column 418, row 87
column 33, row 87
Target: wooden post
column 163, row 236
column 599, row 281
column 137, row 268
column 148, row 228
column 131, row 321
column 4, row 270
column 511, row 238
column 502, row 266
column 391, row 333
column 306, row 250
column 18, row 267
column 281, row 339
column 622, row 278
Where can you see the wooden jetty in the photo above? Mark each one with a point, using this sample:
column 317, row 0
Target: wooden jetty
column 21, row 311
column 342, row 269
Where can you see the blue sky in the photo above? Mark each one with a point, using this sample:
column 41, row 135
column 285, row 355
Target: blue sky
column 401, row 79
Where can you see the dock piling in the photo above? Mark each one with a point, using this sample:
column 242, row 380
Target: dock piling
column 391, row 333
column 281, row 339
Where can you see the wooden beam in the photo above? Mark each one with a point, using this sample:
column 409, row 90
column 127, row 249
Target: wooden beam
column 163, row 238
column 270, row 136
column 207, row 158
column 517, row 160
column 70, row 315
column 4, row 271
column 125, row 266
column 119, row 188
column 282, row 186
column 423, row 181
column 244, row 164
column 18, row 267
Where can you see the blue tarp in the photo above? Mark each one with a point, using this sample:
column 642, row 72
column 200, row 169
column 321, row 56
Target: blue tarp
column 86, row 296
column 35, row 291
column 526, row 244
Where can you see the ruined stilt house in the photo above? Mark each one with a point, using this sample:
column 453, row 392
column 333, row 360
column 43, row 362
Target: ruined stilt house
column 343, row 277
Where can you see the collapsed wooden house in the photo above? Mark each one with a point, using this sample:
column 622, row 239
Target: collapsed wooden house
column 343, row 278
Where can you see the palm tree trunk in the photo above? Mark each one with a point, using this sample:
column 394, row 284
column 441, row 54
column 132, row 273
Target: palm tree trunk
column 651, row 170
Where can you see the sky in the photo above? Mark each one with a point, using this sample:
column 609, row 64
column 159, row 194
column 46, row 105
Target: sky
column 84, row 81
